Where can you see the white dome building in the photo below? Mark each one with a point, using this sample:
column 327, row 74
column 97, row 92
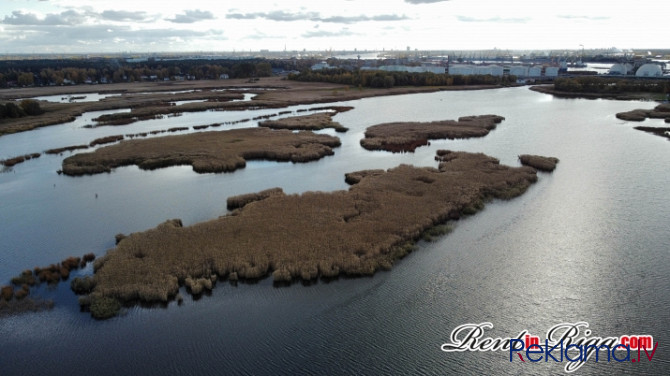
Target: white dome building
column 621, row 69
column 649, row 70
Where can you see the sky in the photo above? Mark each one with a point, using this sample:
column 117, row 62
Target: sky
column 88, row 26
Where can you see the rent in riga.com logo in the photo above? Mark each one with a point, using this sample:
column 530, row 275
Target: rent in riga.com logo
column 566, row 342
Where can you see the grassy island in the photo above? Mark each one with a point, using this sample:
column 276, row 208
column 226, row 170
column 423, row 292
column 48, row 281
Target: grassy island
column 222, row 151
column 407, row 136
column 303, row 236
column 311, row 122
column 539, row 162
column 662, row 111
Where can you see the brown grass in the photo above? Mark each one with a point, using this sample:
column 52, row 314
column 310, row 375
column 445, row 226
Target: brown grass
column 237, row 202
column 288, row 93
column 662, row 111
column 20, row 159
column 315, row 234
column 311, row 122
column 66, row 148
column 539, row 162
column 407, row 136
column 7, row 293
column 106, row 140
column 206, row 151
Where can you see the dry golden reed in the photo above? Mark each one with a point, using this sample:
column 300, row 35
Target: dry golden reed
column 311, row 122
column 539, row 162
column 223, row 151
column 407, row 136
column 311, row 235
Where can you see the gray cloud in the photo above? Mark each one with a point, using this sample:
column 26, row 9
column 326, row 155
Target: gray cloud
column 123, row 15
column 66, row 18
column 282, row 16
column 192, row 16
column 493, row 19
column 107, row 37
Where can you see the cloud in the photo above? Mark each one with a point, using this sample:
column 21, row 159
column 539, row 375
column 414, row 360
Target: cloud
column 192, row 16
column 493, row 19
column 66, row 18
column 354, row 19
column 123, row 15
column 424, row 1
column 281, row 16
column 327, row 34
column 590, row 18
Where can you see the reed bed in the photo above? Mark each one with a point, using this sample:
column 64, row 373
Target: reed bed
column 106, row 140
column 539, row 162
column 20, row 159
column 662, row 111
column 206, row 151
column 659, row 131
column 311, row 235
column 407, row 136
column 311, row 122
column 237, row 202
column 66, row 148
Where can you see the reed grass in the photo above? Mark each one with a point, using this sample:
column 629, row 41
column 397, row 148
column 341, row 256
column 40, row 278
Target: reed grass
column 66, row 148
column 310, row 122
column 20, row 159
column 106, row 140
column 407, row 136
column 237, row 202
column 205, row 151
column 539, row 162
column 311, row 235
column 7, row 293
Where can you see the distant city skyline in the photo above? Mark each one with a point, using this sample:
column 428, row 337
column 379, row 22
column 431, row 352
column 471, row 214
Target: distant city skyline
column 83, row 26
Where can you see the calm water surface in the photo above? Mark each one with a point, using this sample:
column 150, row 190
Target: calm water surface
column 588, row 242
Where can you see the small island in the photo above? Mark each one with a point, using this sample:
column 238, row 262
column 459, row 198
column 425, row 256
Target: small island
column 302, row 236
column 539, row 162
column 313, row 122
column 407, row 136
column 210, row 151
column 662, row 111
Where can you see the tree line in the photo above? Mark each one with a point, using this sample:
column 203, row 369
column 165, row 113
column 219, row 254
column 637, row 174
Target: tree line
column 611, row 85
column 60, row 72
column 383, row 79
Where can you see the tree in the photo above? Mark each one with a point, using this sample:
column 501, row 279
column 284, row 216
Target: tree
column 263, row 69
column 26, row 79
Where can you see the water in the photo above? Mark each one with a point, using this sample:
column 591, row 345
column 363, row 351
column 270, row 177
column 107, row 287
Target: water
column 588, row 242
column 75, row 98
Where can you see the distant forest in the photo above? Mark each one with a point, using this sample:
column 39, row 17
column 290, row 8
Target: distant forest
column 383, row 79
column 62, row 72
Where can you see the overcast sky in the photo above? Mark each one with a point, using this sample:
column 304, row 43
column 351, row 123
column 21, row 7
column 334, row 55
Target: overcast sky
column 79, row 26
